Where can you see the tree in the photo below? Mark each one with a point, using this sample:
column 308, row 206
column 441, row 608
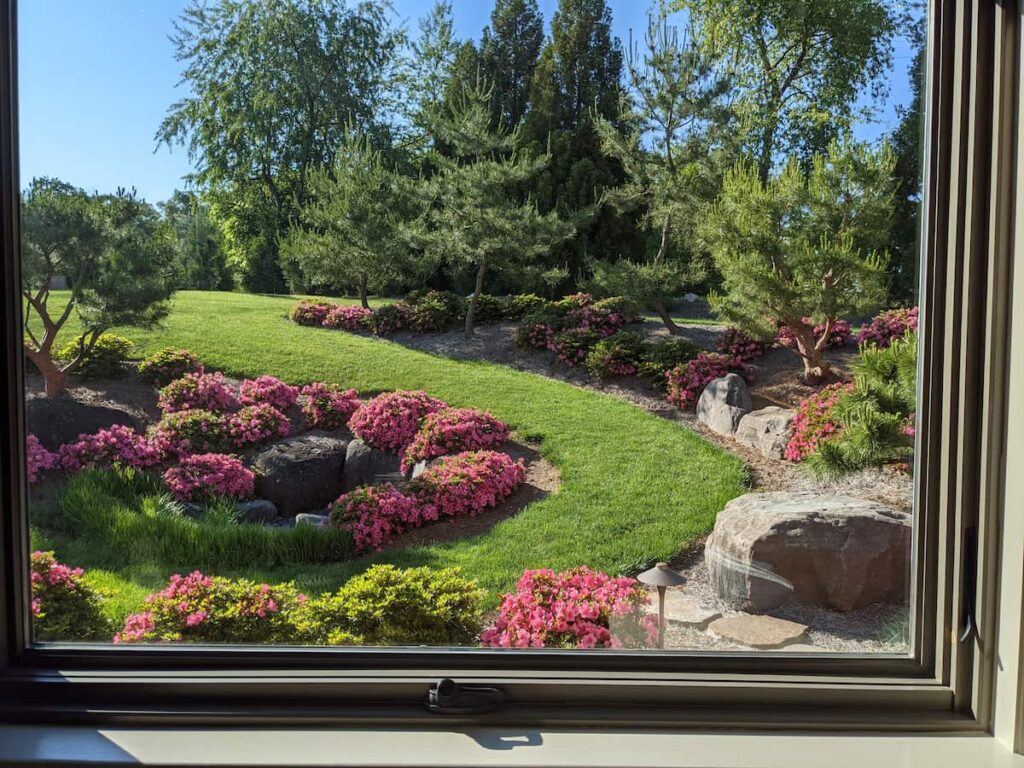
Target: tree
column 202, row 263
column 273, row 86
column 509, row 48
column 349, row 233
column 429, row 70
column 797, row 66
column 475, row 216
column 116, row 255
column 803, row 249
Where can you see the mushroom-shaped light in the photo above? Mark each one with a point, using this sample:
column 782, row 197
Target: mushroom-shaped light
column 661, row 576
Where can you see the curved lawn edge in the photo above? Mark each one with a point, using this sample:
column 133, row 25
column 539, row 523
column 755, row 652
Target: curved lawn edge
column 635, row 488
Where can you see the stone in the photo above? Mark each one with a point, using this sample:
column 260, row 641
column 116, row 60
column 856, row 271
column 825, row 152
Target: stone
column 365, row 465
column 59, row 420
column 758, row 631
column 690, row 297
column 301, row 473
column 258, row 511
column 308, row 518
column 192, row 509
column 422, row 466
column 683, row 609
column 834, row 552
column 767, row 430
column 723, row 403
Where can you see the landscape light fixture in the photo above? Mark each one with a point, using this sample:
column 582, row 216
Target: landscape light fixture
column 662, row 577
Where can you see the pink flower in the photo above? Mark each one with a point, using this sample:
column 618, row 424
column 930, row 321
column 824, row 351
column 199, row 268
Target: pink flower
column 207, row 475
column 347, row 318
column 888, row 326
column 269, row 390
column 685, row 383
column 377, row 514
column 452, row 430
column 311, row 312
column 117, row 445
column 38, row 459
column 814, row 423
column 390, row 421
column 256, row 424
column 327, row 406
column 469, row 482
column 197, row 391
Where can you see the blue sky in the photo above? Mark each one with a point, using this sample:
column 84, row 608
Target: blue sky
column 97, row 77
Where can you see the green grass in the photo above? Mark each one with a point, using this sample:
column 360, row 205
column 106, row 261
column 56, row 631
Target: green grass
column 635, row 488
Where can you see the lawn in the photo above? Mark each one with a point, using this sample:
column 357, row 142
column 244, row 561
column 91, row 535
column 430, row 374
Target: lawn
column 635, row 488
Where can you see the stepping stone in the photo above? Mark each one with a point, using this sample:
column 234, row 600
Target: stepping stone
column 758, row 631
column 684, row 610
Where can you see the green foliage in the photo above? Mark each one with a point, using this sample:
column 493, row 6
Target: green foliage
column 163, row 367
column 643, row 284
column 64, row 606
column 435, row 310
column 202, row 261
column 491, row 309
column 509, row 48
column 105, row 359
column 522, row 304
column 661, row 357
column 616, row 355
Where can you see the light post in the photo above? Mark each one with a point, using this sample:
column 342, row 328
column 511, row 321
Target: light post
column 662, row 577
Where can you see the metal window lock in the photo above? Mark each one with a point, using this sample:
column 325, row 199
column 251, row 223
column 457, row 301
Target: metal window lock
column 448, row 697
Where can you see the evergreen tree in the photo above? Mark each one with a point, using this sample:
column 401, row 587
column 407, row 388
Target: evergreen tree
column 509, row 49
column 202, row 263
column 432, row 65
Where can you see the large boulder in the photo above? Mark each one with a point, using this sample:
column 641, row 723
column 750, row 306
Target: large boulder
column 723, row 403
column 767, row 430
column 59, row 420
column 365, row 465
column 301, row 473
column 834, row 552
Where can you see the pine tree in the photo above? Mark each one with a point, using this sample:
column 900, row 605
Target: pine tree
column 509, row 49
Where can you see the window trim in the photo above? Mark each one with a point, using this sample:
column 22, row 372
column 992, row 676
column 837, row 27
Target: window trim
column 945, row 686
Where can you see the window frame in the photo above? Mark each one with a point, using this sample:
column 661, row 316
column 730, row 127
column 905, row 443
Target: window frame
column 971, row 109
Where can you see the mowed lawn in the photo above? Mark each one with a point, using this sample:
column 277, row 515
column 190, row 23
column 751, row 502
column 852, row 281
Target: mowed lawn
column 635, row 488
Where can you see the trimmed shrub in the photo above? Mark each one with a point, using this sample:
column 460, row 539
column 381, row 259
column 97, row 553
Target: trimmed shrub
column 814, row 421
column 595, row 318
column 736, row 343
column 376, row 514
column 686, row 383
column 105, row 360
column 534, row 335
column 204, row 477
column 38, row 459
column 186, row 432
column 269, row 390
column 627, row 308
column 522, row 304
column 435, row 311
column 389, row 319
column 579, row 608
column 469, row 482
column 659, row 358
column 163, row 367
column 840, row 336
column 327, row 406
column 117, row 445
column 197, row 391
column 256, row 424
column 452, row 430
column 348, row 318
column 888, row 326
column 573, row 346
column 390, row 421
column 64, row 607
column 312, row 313
column 618, row 355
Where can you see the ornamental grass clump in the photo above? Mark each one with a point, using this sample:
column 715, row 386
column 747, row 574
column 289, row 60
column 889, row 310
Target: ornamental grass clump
column 269, row 390
column 326, row 406
column 390, row 421
column 452, row 430
column 686, row 383
column 38, row 459
column 888, row 326
column 63, row 606
column 206, row 476
column 198, row 391
column 186, row 432
column 376, row 514
column 117, row 445
column 617, row 355
column 579, row 608
column 814, row 422
column 736, row 343
column 348, row 318
column 256, row 424
column 311, row 313
column 165, row 366
column 469, row 483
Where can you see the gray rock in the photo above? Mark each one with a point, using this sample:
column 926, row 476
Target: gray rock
column 59, row 420
column 834, row 552
column 308, row 518
column 422, row 466
column 192, row 509
column 723, row 403
column 767, row 430
column 369, row 466
column 259, row 511
column 301, row 473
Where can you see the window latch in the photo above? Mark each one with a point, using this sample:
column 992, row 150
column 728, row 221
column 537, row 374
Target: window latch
column 450, row 698
column 969, row 624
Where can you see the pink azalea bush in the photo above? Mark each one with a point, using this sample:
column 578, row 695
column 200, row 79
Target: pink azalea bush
column 269, row 390
column 685, row 383
column 469, row 482
column 329, row 407
column 210, row 609
column 186, row 432
column 376, row 514
column 839, row 336
column 117, row 445
column 888, row 326
column 38, row 459
column 63, row 606
column 163, row 367
column 736, row 343
column 535, row 335
column 347, row 318
column 390, row 319
column 620, row 354
column 600, row 320
column 197, row 391
column 452, row 430
column 578, row 608
column 390, row 421
column 813, row 422
column 256, row 424
column 573, row 346
column 311, row 313
column 207, row 475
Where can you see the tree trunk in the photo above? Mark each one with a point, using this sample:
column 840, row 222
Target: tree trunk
column 362, row 291
column 666, row 318
column 54, row 379
column 816, row 370
column 764, row 162
column 477, row 290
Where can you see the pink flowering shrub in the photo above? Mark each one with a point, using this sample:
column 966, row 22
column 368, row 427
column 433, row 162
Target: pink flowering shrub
column 814, row 421
column 270, row 390
column 452, row 430
column 38, row 459
column 573, row 346
column 311, row 312
column 347, row 318
column 207, row 475
column 390, row 421
column 390, row 318
column 602, row 321
column 117, row 445
column 256, row 424
column 210, row 609
column 197, row 391
column 839, row 336
column 685, row 383
column 326, row 406
column 621, row 354
column 469, row 482
column 736, row 343
column 888, row 326
column 534, row 335
column 579, row 608
column 187, row 432
column 165, row 366
column 63, row 606
column 376, row 514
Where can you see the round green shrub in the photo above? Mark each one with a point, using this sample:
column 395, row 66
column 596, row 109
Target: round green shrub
column 167, row 365
column 435, row 311
column 489, row 309
column 106, row 358
column 617, row 355
column 522, row 304
column 64, row 607
column 659, row 358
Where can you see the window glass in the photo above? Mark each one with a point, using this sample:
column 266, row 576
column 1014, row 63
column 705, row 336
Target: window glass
column 570, row 324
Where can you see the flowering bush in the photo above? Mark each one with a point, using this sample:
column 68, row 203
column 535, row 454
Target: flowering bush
column 659, row 359
column 618, row 355
column 434, row 311
column 327, row 406
column 537, row 335
column 573, row 346
column 210, row 609
column 188, row 432
column 839, row 336
column 197, row 391
column 376, row 514
column 167, row 365
column 347, row 318
column 256, row 424
column 452, row 430
column 469, row 482
column 311, row 312
column 736, row 343
column 686, row 383
column 105, row 359
column 888, row 326
column 814, row 421
column 38, row 459
column 391, row 420
column 579, row 608
column 626, row 308
column 600, row 320
column 207, row 475
column 117, row 445
column 390, row 318
column 270, row 390
column 63, row 606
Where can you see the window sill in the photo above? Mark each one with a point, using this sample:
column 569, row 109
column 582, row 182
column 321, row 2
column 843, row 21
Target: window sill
column 36, row 745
